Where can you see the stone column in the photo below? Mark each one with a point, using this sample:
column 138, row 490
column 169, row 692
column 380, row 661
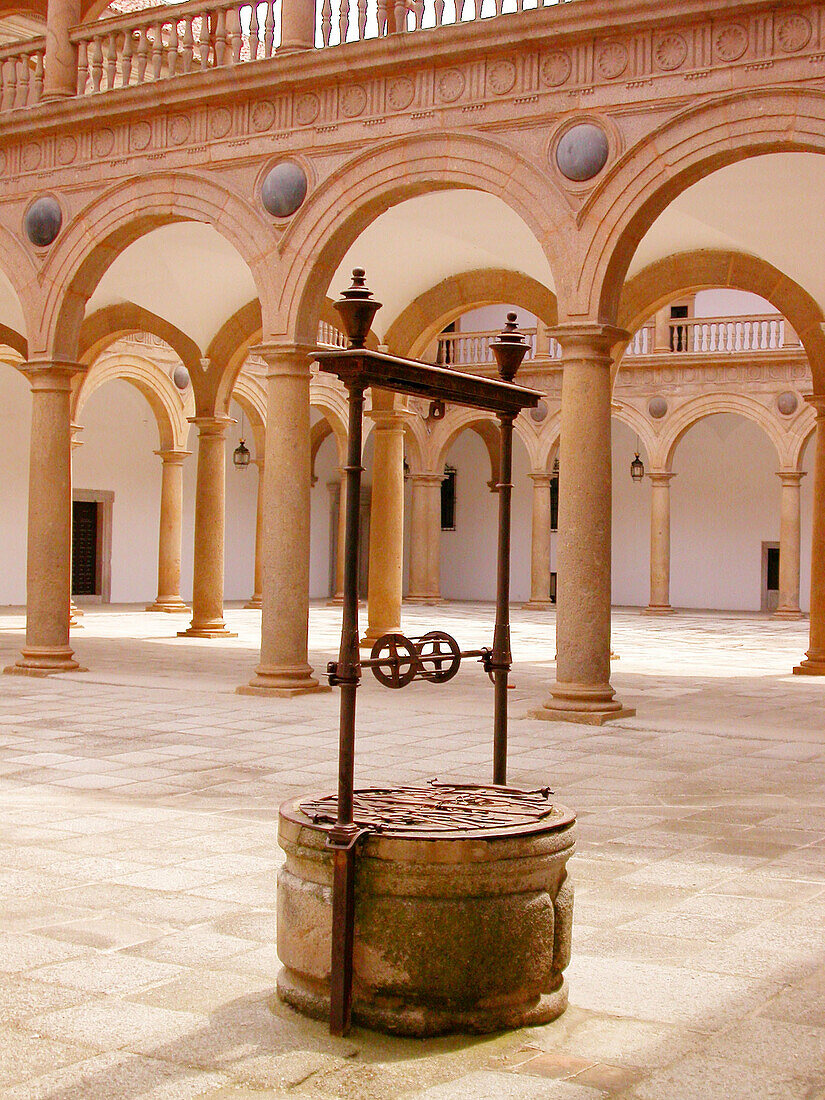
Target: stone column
column 297, row 25
column 60, row 62
column 210, row 509
column 75, row 612
column 49, row 555
column 386, row 561
column 814, row 664
column 582, row 692
column 659, row 544
column 338, row 491
column 540, row 544
column 425, row 538
column 169, row 532
column 284, row 668
column 257, row 596
column 789, row 545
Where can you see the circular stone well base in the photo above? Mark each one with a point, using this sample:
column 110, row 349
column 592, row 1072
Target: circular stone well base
column 464, row 927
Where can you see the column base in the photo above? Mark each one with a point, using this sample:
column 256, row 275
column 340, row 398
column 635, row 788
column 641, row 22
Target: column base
column 658, row 609
column 170, row 605
column 811, row 666
column 283, row 681
column 791, row 613
column 431, row 601
column 254, row 604
column 75, row 610
column 586, row 704
column 216, row 628
column 44, row 661
column 371, row 637
column 538, row 605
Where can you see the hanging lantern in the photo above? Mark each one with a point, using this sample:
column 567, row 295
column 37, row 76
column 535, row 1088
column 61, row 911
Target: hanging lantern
column 241, row 456
column 637, row 468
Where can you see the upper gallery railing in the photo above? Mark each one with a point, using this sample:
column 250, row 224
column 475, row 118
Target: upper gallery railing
column 717, row 335
column 21, row 73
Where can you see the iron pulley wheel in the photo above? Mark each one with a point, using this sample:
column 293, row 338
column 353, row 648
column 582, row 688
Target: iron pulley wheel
column 397, row 660
column 439, row 657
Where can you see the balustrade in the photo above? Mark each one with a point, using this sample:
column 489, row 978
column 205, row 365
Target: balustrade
column 21, row 74
column 718, row 335
column 472, row 349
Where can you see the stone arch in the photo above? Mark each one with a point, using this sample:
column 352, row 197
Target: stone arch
column 112, row 323
column 13, row 339
column 639, row 424
column 548, row 441
column 328, row 396
column 249, row 393
column 423, row 319
column 20, row 268
column 457, row 421
column 373, row 181
column 706, row 269
column 801, row 431
column 96, row 235
column 152, row 382
column 679, row 152
column 699, row 408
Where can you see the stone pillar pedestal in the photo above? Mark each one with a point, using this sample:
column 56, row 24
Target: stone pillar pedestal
column 256, row 600
column 582, row 692
column 659, row 544
column 540, row 545
column 169, row 533
column 210, row 508
column 789, row 545
column 814, row 664
column 60, row 62
column 425, row 538
column 386, row 564
column 49, row 556
column 284, row 668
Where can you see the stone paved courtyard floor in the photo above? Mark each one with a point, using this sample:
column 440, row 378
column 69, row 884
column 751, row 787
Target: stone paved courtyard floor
column 138, row 854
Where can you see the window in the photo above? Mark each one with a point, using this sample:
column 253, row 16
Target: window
column 678, row 333
column 448, row 499
column 554, row 502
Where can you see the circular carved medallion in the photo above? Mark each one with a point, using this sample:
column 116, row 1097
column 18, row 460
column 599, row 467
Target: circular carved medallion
column 307, row 109
column 66, row 150
column 450, row 85
column 787, row 403
column 657, row 407
column 220, row 122
column 793, row 33
column 731, row 42
column 140, row 136
column 263, row 115
column 353, row 101
column 582, row 152
column 103, row 142
column 42, row 221
column 400, row 93
column 31, row 157
column 612, row 59
column 670, row 52
column 284, row 189
column 179, row 129
column 501, row 77
column 555, row 69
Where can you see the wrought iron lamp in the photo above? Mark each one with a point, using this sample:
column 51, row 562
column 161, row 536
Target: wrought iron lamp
column 637, row 468
column 241, row 455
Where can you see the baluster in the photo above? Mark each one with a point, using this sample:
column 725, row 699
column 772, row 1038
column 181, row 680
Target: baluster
column 203, row 41
column 478, row 4
column 172, row 49
column 157, row 50
column 269, row 26
column 326, row 21
column 382, row 18
column 233, row 33
column 111, row 60
column 23, row 76
column 253, row 32
column 498, row 7
column 126, row 60
column 220, row 37
column 9, row 83
column 343, row 19
column 96, row 63
column 400, row 15
column 37, row 86
column 418, row 13
column 362, row 19
column 188, row 51
column 142, row 55
column 438, row 8
column 82, row 67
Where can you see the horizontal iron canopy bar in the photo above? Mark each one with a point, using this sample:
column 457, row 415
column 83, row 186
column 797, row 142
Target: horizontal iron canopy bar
column 417, row 379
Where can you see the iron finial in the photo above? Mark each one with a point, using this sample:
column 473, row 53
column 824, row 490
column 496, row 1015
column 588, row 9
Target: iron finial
column 509, row 348
column 356, row 307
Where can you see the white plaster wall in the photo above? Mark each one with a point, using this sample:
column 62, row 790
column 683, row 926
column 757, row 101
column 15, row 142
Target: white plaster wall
column 631, row 522
column 721, row 302
column 326, row 471
column 241, row 513
column 15, row 420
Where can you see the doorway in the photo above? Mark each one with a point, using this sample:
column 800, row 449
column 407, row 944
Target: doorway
column 92, row 546
column 770, row 576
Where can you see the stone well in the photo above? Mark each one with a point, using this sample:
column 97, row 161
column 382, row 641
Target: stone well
column 461, row 930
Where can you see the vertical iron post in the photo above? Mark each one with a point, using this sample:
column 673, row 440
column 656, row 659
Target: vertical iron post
column 502, row 657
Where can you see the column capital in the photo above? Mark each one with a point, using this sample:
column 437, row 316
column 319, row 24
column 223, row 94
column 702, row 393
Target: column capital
column 661, row 477
column 588, row 340
column 211, row 425
column 790, row 477
column 286, row 359
column 75, row 428
column 427, row 477
column 541, row 478
column 172, row 457
column 817, row 400
column 51, row 374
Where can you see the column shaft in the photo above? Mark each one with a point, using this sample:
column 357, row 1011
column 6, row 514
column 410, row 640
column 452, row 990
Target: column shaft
column 338, row 492
column 582, row 692
column 210, row 508
column 540, row 544
column 169, row 533
column 49, row 555
column 257, row 595
column 297, row 25
column 284, row 668
column 60, row 63
column 425, row 538
column 789, row 545
column 386, row 564
column 814, row 664
column 659, row 543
